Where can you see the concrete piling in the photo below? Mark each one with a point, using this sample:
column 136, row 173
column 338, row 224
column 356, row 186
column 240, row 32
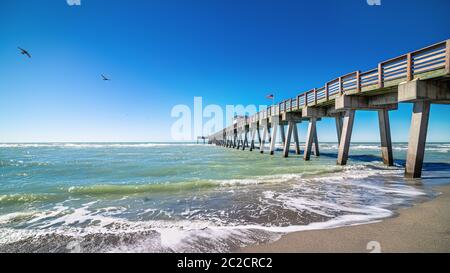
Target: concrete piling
column 346, row 135
column 287, row 141
column 310, row 138
column 417, row 139
column 385, row 137
column 273, row 140
column 296, row 140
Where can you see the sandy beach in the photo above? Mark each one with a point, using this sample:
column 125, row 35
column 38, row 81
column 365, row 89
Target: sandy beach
column 424, row 227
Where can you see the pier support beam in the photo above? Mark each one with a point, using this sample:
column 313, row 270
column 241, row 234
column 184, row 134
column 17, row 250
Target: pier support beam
column 273, row 140
column 259, row 136
column 310, row 138
column 316, row 142
column 269, row 132
column 347, row 102
column 346, row 135
column 292, row 119
column 287, row 141
column 247, row 136
column 252, row 137
column 418, row 90
column 245, row 139
column 238, row 144
column 385, row 137
column 296, row 140
column 421, row 94
column 282, row 134
column 263, row 140
column 417, row 139
column 314, row 114
column 338, row 119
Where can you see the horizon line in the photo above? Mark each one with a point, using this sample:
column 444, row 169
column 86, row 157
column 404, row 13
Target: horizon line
column 175, row 142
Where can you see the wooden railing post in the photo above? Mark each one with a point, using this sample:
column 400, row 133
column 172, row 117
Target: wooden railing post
column 315, row 96
column 447, row 57
column 298, row 102
column 358, row 81
column 290, row 104
column 327, row 95
column 409, row 68
column 341, row 88
column 380, row 75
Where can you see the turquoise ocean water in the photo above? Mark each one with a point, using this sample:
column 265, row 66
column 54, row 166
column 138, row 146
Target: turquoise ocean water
column 164, row 197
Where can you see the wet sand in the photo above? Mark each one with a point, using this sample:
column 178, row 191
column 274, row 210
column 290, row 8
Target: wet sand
column 424, row 227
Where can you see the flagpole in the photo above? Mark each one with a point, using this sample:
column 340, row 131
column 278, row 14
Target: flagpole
column 272, row 96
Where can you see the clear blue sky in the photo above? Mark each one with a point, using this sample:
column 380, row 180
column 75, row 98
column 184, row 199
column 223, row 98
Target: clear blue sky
column 161, row 53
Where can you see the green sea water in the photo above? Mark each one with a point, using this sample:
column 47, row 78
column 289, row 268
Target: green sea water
column 166, row 197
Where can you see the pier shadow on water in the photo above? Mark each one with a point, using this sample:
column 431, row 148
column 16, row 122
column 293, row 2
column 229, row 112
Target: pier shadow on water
column 433, row 170
column 442, row 169
column 427, row 166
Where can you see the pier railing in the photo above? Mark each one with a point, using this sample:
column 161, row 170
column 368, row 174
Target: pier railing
column 429, row 62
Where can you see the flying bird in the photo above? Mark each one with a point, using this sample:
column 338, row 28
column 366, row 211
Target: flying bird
column 24, row 52
column 105, row 78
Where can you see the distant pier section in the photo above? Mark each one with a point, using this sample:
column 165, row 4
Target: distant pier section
column 201, row 139
column 421, row 77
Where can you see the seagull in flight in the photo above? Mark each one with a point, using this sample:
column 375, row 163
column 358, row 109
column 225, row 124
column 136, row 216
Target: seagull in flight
column 24, row 52
column 105, row 78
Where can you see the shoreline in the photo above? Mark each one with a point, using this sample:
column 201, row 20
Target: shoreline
column 424, row 227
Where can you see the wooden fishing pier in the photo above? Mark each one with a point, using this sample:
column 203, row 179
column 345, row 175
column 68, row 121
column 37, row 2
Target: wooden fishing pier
column 421, row 77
